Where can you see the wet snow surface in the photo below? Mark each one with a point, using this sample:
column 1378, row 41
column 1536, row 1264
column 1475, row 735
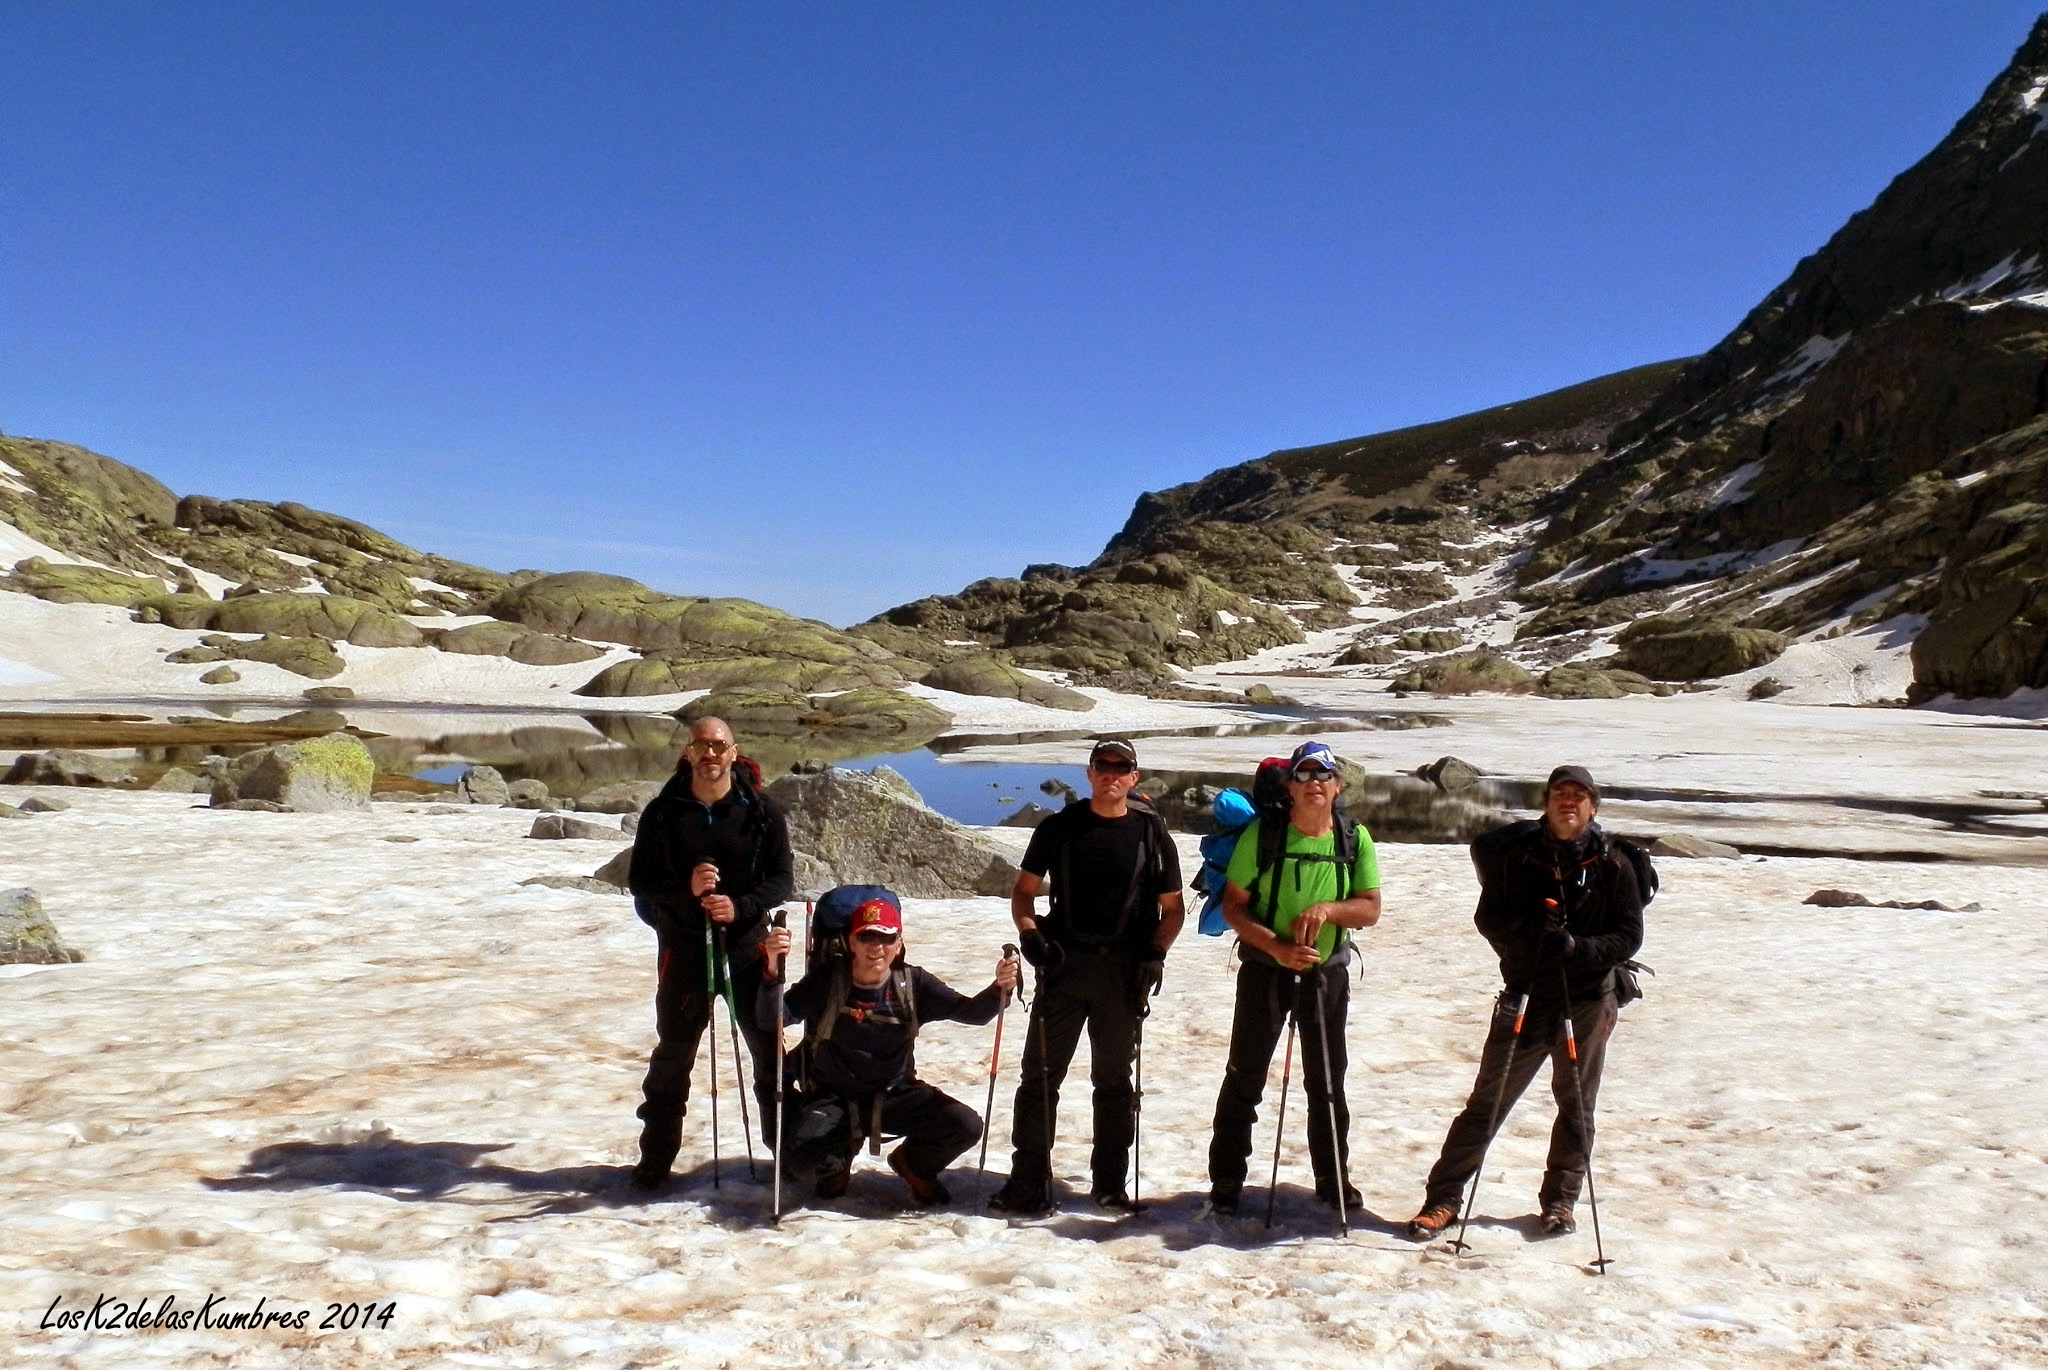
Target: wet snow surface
column 313, row 1062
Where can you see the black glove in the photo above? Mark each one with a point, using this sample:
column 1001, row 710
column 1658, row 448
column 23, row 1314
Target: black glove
column 1042, row 955
column 1151, row 970
column 1557, row 946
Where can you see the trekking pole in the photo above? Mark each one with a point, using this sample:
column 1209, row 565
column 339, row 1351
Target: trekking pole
column 988, row 1110
column 1571, row 1050
column 1521, row 1006
column 1138, row 1105
column 1330, row 1100
column 1280, row 1119
column 780, row 920
column 711, row 1030
column 732, row 1023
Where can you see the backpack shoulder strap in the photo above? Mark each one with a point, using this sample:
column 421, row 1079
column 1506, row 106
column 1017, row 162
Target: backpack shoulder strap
column 835, row 1001
column 906, row 999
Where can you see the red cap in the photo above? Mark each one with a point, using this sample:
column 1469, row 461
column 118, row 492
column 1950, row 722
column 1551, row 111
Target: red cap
column 876, row 916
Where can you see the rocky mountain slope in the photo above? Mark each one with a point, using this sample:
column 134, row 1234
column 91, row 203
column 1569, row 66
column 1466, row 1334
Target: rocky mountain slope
column 1866, row 454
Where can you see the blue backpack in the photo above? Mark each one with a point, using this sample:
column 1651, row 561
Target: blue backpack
column 1233, row 811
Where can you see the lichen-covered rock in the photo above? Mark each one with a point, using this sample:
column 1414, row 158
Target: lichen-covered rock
column 558, row 827
column 663, row 673
column 333, row 617
column 1478, row 672
column 1366, row 654
column 65, row 584
column 326, row 694
column 869, row 828
column 1577, row 680
column 482, row 785
column 177, row 780
column 771, row 712
column 38, row 804
column 992, row 677
column 615, row 871
column 64, row 767
column 627, row 796
column 27, row 937
column 221, row 675
column 1449, row 774
column 317, row 775
column 516, row 642
column 1667, row 649
column 527, row 794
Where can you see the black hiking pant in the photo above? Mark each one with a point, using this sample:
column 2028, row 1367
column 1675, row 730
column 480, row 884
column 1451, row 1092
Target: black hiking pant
column 1267, row 995
column 1571, row 1137
column 824, row 1129
column 1098, row 991
column 681, row 1014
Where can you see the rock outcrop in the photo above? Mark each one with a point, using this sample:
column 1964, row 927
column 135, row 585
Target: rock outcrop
column 855, row 827
column 318, row 775
column 27, row 936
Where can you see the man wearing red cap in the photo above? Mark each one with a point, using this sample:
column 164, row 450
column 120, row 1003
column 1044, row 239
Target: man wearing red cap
column 861, row 1017
column 1116, row 908
column 1562, row 911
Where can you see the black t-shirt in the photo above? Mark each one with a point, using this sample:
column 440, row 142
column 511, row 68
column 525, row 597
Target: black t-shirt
column 1099, row 868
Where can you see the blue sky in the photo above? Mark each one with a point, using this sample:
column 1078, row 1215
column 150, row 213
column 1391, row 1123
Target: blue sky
column 833, row 306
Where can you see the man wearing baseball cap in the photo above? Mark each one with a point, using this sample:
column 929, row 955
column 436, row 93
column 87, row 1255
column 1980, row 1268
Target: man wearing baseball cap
column 1099, row 952
column 861, row 1015
column 1562, row 912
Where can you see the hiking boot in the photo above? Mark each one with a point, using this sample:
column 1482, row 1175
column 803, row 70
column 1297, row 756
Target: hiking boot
column 1326, row 1193
column 1021, row 1201
column 650, row 1175
column 926, row 1189
column 1431, row 1222
column 1223, row 1202
column 1116, row 1200
column 833, row 1182
column 1557, row 1220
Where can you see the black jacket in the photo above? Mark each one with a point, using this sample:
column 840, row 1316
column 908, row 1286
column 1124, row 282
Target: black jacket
column 1602, row 910
column 870, row 1046
column 744, row 834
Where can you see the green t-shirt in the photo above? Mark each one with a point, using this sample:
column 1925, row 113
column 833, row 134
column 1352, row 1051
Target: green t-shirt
column 1302, row 883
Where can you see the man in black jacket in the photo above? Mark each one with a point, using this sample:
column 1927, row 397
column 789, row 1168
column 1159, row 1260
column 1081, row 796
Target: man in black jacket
column 711, row 859
column 1116, row 908
column 861, row 1014
column 1562, row 912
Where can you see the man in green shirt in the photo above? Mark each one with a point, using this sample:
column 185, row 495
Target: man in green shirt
column 1293, row 904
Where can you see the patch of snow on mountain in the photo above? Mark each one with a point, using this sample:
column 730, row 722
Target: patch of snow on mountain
column 1816, row 352
column 293, row 557
column 1785, row 592
column 1874, row 666
column 1650, row 570
column 12, row 479
column 424, row 586
column 16, row 545
column 1964, row 482
column 1735, row 489
column 214, row 585
column 1227, row 619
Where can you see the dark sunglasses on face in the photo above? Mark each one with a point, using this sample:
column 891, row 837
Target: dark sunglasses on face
column 711, row 748
column 1115, row 767
column 876, row 939
column 1305, row 774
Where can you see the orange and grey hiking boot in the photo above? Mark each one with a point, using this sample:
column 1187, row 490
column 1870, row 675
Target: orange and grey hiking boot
column 926, row 1189
column 1557, row 1220
column 1431, row 1222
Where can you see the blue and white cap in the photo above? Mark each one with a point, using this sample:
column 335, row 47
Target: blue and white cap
column 1314, row 754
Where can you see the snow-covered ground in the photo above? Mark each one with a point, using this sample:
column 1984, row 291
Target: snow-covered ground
column 319, row 1059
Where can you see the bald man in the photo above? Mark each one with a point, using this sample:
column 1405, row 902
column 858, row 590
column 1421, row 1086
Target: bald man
column 711, row 851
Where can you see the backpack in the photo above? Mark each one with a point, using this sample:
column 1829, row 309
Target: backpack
column 831, row 916
column 1489, row 859
column 1233, row 813
column 1155, row 840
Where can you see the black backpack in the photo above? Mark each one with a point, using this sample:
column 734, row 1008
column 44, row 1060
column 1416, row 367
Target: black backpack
column 831, row 916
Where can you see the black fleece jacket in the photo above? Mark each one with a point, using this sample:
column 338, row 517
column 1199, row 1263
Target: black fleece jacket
column 1601, row 907
column 744, row 834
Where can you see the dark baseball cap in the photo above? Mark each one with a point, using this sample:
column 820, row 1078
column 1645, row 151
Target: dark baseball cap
column 1116, row 747
column 1577, row 775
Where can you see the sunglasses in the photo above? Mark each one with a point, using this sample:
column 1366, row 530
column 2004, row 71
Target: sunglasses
column 1308, row 774
column 876, row 939
column 1114, row 767
column 711, row 748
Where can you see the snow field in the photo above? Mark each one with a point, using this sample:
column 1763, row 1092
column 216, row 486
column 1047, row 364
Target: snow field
column 309, row 1062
